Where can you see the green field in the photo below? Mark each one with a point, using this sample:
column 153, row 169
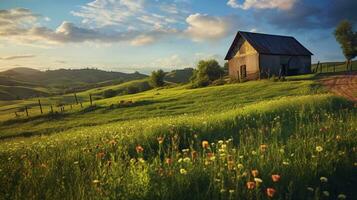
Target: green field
column 219, row 142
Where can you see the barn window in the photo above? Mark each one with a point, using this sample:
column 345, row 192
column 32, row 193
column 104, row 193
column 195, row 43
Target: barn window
column 243, row 71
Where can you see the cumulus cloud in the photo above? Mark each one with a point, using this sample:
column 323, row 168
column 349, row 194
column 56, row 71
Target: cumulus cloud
column 135, row 22
column 263, row 4
column 135, row 14
column 22, row 26
column 203, row 27
column 16, row 57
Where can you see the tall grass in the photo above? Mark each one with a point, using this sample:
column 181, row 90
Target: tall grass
column 309, row 141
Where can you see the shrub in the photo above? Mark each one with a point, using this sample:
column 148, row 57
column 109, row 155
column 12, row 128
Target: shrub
column 157, row 78
column 109, row 93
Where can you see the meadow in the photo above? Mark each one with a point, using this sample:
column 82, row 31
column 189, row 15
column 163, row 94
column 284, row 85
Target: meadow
column 253, row 140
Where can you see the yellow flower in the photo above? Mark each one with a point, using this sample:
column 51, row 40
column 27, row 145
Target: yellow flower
column 205, row 144
column 240, row 166
column 95, row 181
column 319, row 149
column 183, row 171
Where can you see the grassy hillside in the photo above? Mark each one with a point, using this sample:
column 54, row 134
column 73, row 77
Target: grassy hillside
column 153, row 103
column 329, row 67
column 58, row 81
column 251, row 140
column 179, row 76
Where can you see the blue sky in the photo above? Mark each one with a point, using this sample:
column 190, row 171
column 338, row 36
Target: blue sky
column 129, row 35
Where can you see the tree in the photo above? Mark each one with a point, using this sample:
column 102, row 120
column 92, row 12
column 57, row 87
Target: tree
column 226, row 68
column 157, row 78
column 347, row 38
column 206, row 72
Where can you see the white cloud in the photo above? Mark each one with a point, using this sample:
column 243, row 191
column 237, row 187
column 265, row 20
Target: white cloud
column 142, row 40
column 121, row 14
column 172, row 62
column 263, row 4
column 202, row 27
column 17, row 57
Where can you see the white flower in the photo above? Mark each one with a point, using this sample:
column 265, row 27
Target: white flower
column 323, row 179
column 326, row 193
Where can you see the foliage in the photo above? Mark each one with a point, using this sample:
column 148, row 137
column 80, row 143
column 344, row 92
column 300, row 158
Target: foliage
column 347, row 38
column 293, row 146
column 226, row 68
column 206, row 72
column 109, row 93
column 157, row 78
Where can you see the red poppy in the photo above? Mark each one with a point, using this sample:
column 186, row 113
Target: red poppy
column 275, row 177
column 271, row 192
column 139, row 149
column 250, row 185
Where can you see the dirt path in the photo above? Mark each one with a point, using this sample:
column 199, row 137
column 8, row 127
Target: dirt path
column 343, row 85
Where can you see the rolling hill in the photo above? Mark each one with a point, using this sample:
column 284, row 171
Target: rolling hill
column 27, row 82
column 221, row 142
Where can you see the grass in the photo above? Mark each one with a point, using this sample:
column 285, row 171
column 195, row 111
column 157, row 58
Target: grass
column 157, row 148
column 331, row 67
column 155, row 103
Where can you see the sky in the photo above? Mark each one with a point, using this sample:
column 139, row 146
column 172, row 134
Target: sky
column 144, row 35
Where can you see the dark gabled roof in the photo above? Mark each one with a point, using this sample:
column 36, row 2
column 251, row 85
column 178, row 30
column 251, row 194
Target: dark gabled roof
column 270, row 44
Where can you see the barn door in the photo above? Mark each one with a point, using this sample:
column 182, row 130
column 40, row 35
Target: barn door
column 243, row 72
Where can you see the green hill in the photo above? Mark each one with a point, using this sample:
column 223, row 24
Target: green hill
column 58, row 81
column 233, row 141
column 179, row 76
column 20, row 92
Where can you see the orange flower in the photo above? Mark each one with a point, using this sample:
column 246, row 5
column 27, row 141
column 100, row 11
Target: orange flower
column 209, row 154
column 250, row 185
column 205, row 144
column 100, row 155
column 112, row 142
column 194, row 155
column 160, row 140
column 271, row 192
column 168, row 161
column 275, row 177
column 139, row 149
column 230, row 165
column 255, row 173
column 263, row 147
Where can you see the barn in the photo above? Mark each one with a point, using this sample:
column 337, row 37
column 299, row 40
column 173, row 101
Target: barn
column 256, row 55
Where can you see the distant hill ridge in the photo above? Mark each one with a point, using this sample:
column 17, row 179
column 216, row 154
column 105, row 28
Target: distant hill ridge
column 67, row 76
column 22, row 82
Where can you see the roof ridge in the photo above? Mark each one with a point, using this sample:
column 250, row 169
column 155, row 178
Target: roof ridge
column 266, row 34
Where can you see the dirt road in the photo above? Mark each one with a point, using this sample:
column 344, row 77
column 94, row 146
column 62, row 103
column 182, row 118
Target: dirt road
column 343, row 85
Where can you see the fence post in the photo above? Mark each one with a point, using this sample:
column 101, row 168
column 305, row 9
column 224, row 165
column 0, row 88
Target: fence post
column 51, row 109
column 90, row 98
column 39, row 103
column 75, row 97
column 81, row 104
column 27, row 112
column 334, row 67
